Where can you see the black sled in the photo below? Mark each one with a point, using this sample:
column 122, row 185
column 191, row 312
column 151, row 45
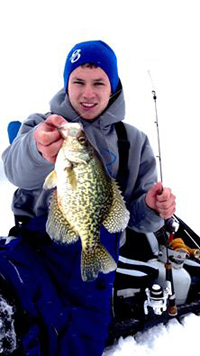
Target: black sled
column 141, row 297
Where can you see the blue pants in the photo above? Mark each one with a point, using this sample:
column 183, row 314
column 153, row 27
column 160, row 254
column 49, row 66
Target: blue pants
column 64, row 315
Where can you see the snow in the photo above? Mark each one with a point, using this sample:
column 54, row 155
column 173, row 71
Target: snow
column 7, row 330
column 174, row 339
column 157, row 36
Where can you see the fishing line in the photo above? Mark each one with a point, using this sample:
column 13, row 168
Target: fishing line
column 192, row 238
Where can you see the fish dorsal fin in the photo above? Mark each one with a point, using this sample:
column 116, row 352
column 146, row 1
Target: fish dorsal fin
column 50, row 181
column 118, row 217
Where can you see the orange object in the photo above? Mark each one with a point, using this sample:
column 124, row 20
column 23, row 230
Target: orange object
column 179, row 245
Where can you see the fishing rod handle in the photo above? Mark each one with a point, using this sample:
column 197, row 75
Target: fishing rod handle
column 172, row 308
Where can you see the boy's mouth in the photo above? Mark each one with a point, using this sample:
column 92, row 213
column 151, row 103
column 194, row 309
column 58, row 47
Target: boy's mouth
column 88, row 105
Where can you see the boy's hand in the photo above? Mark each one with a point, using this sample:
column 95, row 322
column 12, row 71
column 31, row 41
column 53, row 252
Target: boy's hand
column 47, row 137
column 161, row 200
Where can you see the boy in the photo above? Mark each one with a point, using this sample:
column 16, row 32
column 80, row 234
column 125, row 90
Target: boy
column 63, row 314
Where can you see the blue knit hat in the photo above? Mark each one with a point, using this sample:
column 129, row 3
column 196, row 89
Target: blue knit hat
column 96, row 52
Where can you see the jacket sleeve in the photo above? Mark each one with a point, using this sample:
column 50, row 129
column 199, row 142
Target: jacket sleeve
column 23, row 164
column 142, row 218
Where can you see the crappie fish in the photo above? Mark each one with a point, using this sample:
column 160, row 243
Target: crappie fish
column 85, row 198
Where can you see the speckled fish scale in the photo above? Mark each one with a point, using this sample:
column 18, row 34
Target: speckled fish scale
column 85, row 198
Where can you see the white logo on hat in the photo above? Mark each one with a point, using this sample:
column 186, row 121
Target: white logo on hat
column 75, row 55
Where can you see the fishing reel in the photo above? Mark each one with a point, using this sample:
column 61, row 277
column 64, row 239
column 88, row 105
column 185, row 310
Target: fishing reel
column 157, row 298
column 172, row 225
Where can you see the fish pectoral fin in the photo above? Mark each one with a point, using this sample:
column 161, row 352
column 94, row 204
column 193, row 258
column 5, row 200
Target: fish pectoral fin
column 57, row 227
column 71, row 176
column 94, row 261
column 50, row 181
column 118, row 217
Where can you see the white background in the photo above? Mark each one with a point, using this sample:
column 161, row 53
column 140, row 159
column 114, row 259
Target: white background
column 160, row 36
column 156, row 35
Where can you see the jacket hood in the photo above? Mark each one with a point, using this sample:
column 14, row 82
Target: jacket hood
column 115, row 112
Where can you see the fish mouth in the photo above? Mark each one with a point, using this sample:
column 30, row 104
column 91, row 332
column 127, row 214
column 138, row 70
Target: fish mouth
column 70, row 129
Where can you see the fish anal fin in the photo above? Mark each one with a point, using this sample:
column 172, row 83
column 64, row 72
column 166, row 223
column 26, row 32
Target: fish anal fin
column 118, row 217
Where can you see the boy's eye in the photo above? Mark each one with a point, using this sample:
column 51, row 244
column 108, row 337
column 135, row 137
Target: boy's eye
column 78, row 82
column 98, row 83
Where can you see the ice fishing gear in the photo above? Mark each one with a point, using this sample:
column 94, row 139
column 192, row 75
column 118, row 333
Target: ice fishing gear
column 158, row 136
column 160, row 299
column 157, row 129
column 179, row 245
column 170, row 225
column 195, row 252
column 172, row 309
column 156, row 299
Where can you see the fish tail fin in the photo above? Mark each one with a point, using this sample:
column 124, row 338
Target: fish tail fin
column 95, row 261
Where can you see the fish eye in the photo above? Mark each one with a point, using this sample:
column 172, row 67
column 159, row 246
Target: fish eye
column 82, row 140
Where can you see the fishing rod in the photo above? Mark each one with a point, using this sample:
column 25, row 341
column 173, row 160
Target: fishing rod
column 171, row 224
column 157, row 128
column 191, row 238
column 175, row 220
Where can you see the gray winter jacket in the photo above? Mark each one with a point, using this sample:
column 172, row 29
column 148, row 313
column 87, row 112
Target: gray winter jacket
column 27, row 169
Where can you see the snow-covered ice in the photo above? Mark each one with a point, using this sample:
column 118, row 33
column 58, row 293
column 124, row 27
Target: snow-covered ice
column 173, row 339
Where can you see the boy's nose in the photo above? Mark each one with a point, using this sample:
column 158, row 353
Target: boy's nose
column 88, row 92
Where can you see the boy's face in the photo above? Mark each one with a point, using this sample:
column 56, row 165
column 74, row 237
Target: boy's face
column 89, row 91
